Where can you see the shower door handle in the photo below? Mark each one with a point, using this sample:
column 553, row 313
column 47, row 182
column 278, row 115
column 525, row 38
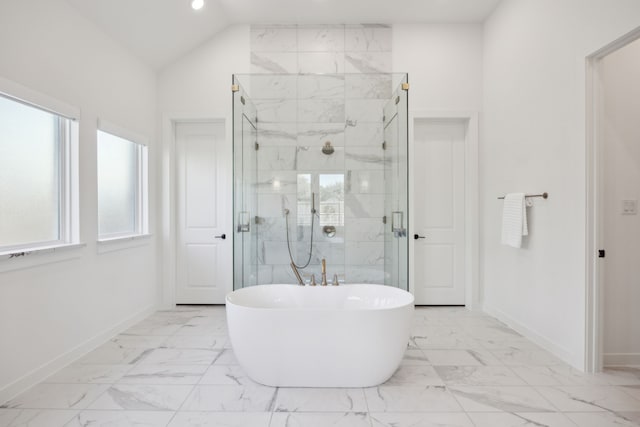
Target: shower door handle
column 222, row 236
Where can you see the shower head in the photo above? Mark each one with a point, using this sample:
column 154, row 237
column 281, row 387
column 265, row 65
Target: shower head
column 328, row 148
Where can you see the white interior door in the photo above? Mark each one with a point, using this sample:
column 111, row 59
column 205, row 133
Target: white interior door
column 204, row 252
column 439, row 211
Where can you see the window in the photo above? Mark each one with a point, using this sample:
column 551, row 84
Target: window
column 37, row 166
column 122, row 186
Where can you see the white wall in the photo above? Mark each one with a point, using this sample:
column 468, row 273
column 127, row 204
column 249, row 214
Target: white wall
column 49, row 313
column 621, row 156
column 444, row 63
column 533, row 140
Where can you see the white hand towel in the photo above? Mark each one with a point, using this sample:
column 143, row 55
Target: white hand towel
column 514, row 220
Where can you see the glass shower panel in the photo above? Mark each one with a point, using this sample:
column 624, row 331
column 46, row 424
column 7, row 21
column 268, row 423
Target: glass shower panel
column 396, row 205
column 245, row 190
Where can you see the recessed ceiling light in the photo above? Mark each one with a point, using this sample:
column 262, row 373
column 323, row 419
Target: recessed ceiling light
column 197, row 4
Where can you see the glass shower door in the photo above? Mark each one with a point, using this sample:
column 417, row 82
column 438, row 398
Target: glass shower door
column 245, row 243
column 396, row 243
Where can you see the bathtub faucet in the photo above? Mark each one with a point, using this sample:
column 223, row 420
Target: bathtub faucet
column 297, row 273
column 324, row 272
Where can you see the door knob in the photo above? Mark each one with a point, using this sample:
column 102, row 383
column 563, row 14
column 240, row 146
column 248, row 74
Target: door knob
column 222, row 236
column 416, row 237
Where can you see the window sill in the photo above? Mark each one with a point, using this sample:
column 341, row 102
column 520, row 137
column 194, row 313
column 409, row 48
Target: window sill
column 124, row 242
column 17, row 259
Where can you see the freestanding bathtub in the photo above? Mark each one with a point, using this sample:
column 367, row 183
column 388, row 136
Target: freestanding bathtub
column 319, row 336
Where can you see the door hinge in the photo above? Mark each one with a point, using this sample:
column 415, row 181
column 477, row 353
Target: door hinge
column 235, row 88
column 405, row 86
column 601, row 253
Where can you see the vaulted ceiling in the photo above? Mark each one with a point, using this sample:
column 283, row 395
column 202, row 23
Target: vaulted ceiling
column 160, row 31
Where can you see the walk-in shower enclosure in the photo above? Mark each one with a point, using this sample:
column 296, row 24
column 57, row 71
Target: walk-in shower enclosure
column 334, row 142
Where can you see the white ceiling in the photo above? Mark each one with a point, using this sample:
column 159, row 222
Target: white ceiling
column 160, row 31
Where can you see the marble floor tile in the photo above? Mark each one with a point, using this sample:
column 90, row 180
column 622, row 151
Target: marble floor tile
column 87, row 373
column 622, row 375
column 320, row 419
column 164, row 374
column 505, row 399
column 526, row 357
column 510, row 343
column 414, row 375
column 452, row 358
column 411, row 399
column 203, row 329
column 57, row 396
column 225, row 375
column 399, row 419
column 532, row 419
column 320, row 400
column 121, row 419
column 221, row 419
column 605, row 419
column 226, row 357
column 112, row 354
column 632, row 390
column 478, row 375
column 557, row 375
column 35, row 417
column 138, row 341
column 142, row 397
column 230, row 398
column 172, row 356
column 589, row 398
column 203, row 342
column 414, row 357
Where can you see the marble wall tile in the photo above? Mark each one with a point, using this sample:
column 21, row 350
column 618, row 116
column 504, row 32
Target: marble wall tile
column 275, row 62
column 364, row 253
column 316, row 134
column 364, row 110
column 321, row 86
column 273, row 38
column 279, row 134
column 368, row 86
column 365, row 158
column 364, row 230
column 321, row 62
column 365, row 182
column 321, row 111
column 321, row 38
column 273, row 205
column 277, row 158
column 276, row 182
column 272, row 229
column 311, row 158
column 277, row 110
column 274, row 253
column 364, row 206
column 364, row 134
column 368, row 38
column 367, row 62
column 283, row 274
column 276, row 86
column 372, row 274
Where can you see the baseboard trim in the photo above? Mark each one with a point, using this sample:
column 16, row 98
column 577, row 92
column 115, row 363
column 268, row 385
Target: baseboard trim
column 574, row 360
column 621, row 359
column 41, row 373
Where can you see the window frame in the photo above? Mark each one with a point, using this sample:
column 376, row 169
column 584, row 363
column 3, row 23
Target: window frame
column 141, row 227
column 67, row 158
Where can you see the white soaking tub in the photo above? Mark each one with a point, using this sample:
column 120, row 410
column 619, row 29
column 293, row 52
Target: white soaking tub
column 319, row 336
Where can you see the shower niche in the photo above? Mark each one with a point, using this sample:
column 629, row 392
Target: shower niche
column 320, row 171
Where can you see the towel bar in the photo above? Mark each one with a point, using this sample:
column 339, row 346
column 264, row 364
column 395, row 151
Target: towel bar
column 544, row 195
